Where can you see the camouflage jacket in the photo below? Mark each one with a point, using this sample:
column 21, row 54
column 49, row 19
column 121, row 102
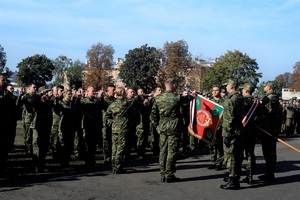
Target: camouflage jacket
column 271, row 114
column 68, row 115
column 43, row 116
column 7, row 107
column 117, row 115
column 55, row 112
column 220, row 102
column 233, row 115
column 106, row 101
column 165, row 113
column 29, row 101
column 91, row 111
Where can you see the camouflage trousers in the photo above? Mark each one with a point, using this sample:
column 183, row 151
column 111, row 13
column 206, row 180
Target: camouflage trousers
column 54, row 140
column 167, row 157
column 66, row 144
column 268, row 145
column 107, row 142
column 249, row 146
column 40, row 144
column 4, row 146
column 27, row 133
column 118, row 150
column 216, row 150
column 142, row 133
column 234, row 157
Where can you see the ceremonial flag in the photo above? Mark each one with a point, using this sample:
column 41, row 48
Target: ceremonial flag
column 204, row 118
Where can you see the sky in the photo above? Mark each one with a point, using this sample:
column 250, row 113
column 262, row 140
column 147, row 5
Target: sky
column 266, row 30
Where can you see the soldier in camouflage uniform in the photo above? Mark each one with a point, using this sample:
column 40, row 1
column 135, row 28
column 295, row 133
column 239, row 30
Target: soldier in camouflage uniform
column 134, row 120
column 57, row 92
column 216, row 149
column 153, row 134
column 165, row 115
column 270, row 121
column 7, row 120
column 91, row 109
column 106, row 129
column 27, row 100
column 41, row 129
column 142, row 129
column 250, row 132
column 67, row 127
column 80, row 148
column 117, row 116
column 232, row 132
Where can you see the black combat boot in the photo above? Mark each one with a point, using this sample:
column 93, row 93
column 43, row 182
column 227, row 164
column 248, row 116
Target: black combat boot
column 233, row 184
column 249, row 177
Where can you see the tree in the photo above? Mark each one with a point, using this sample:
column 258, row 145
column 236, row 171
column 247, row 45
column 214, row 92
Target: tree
column 61, row 63
column 140, row 68
column 283, row 80
column 100, row 56
column 35, row 69
column 295, row 77
column 100, row 60
column 74, row 74
column 3, row 60
column 233, row 65
column 176, row 60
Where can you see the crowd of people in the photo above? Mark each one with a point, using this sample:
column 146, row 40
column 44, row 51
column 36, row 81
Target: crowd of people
column 63, row 122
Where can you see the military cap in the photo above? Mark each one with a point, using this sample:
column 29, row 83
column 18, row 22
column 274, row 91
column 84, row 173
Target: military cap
column 230, row 82
column 223, row 91
column 249, row 87
column 43, row 89
column 269, row 83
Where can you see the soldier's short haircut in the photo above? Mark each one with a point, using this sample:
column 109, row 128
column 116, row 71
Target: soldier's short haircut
column 110, row 85
column 170, row 81
column 66, row 92
column 120, row 91
column 60, row 87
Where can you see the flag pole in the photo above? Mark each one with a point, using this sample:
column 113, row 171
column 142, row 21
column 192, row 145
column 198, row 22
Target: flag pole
column 280, row 140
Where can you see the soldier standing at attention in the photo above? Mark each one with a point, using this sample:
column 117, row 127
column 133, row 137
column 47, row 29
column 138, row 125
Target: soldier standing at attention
column 216, row 149
column 232, row 132
column 142, row 129
column 166, row 116
column 250, row 132
column 28, row 99
column 57, row 92
column 117, row 116
column 271, row 114
column 7, row 120
column 67, row 129
column 106, row 129
column 153, row 134
column 41, row 129
column 90, row 106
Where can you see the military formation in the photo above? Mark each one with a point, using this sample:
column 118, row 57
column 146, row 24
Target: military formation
column 124, row 124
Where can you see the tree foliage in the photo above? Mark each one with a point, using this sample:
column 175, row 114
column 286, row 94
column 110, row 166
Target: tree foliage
column 3, row 60
column 100, row 60
column 75, row 74
column 140, row 68
column 283, row 80
column 232, row 65
column 35, row 69
column 100, row 56
column 61, row 63
column 295, row 76
column 176, row 60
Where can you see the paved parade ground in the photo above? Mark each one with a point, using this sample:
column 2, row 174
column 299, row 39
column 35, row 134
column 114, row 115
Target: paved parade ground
column 143, row 180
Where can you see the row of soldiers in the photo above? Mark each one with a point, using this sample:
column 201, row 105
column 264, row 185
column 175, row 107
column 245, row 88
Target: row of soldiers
column 118, row 121
column 290, row 117
column 53, row 118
